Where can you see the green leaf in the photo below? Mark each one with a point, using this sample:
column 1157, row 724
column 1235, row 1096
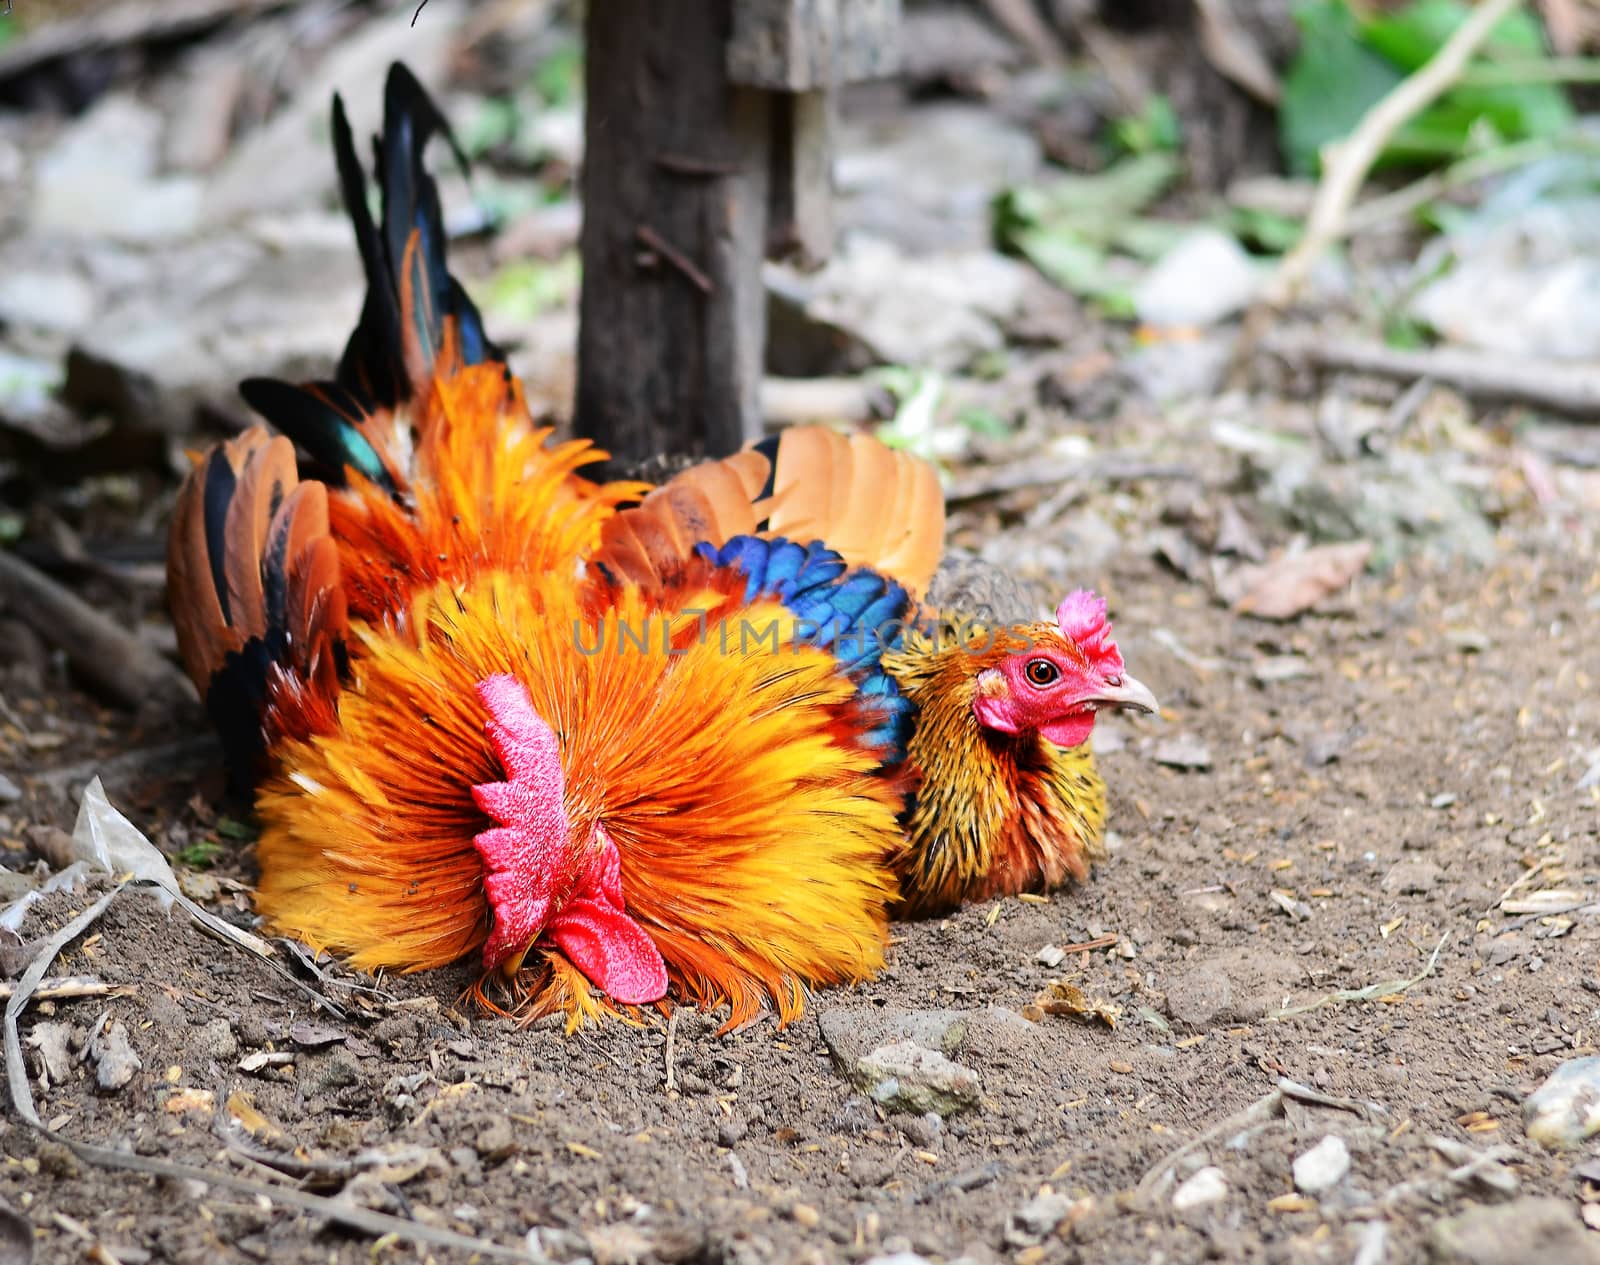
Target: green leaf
column 1264, row 230
column 1155, row 128
column 1345, row 66
column 1333, row 80
column 200, row 855
column 526, row 287
column 1412, row 35
column 229, row 828
column 559, row 78
column 491, row 125
column 1074, row 227
column 1092, row 206
column 983, row 421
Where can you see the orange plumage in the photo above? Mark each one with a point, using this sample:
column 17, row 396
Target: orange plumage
column 401, row 644
column 624, row 742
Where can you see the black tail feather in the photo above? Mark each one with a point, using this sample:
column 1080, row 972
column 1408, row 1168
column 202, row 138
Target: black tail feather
column 409, row 297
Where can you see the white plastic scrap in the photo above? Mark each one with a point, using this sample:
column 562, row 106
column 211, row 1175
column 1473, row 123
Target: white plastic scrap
column 109, row 841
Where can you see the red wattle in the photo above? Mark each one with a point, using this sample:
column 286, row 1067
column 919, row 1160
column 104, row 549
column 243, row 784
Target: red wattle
column 527, row 861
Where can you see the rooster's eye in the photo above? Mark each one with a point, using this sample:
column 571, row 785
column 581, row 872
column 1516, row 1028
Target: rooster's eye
column 1042, row 672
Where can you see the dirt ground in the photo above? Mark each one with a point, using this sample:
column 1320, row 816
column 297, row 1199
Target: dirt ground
column 1423, row 763
column 1353, row 889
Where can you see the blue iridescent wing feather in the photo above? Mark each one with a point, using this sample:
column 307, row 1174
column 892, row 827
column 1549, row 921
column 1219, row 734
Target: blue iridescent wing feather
column 855, row 613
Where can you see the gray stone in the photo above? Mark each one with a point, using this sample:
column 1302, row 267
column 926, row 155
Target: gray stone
column 851, row 1034
column 113, row 1056
column 1183, row 751
column 1240, row 985
column 1545, row 1230
column 874, row 305
column 904, row 1076
column 1204, row 279
column 61, row 302
column 1037, row 1218
column 215, row 1041
column 52, row 1041
column 1410, row 878
column 98, row 180
column 1565, row 1110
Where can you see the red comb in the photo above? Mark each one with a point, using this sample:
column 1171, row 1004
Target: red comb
column 1082, row 616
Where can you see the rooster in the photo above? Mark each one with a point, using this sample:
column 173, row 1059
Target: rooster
column 624, row 742
column 993, row 746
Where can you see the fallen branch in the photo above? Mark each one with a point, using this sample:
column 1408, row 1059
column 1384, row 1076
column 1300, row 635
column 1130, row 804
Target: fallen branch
column 1034, row 474
column 672, row 1038
column 104, row 28
column 1305, row 1094
column 1020, row 20
column 69, row 986
column 799, row 401
column 170, row 759
column 1412, row 197
column 1346, row 164
column 1567, row 389
column 113, row 660
column 652, row 240
column 336, row 1210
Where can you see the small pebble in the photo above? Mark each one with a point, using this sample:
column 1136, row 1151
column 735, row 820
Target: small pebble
column 1565, row 1110
column 1322, row 1167
column 1051, row 955
column 1183, row 752
column 1206, row 1186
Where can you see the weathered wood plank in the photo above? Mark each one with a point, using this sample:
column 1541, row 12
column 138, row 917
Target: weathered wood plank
column 675, row 194
column 806, row 45
column 801, row 223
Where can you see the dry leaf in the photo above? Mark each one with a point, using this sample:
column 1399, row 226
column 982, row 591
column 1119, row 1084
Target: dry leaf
column 242, row 1108
column 1062, row 998
column 1297, row 582
column 1555, row 900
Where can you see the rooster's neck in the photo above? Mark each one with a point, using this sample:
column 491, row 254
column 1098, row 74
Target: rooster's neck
column 993, row 812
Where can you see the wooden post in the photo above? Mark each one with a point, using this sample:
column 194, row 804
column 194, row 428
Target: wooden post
column 672, row 322
column 709, row 144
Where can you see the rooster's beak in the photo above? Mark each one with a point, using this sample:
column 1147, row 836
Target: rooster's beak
column 1126, row 693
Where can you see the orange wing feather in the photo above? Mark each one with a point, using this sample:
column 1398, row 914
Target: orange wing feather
column 878, row 507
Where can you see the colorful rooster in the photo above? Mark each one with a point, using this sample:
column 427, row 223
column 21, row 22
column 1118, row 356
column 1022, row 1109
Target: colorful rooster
column 627, row 742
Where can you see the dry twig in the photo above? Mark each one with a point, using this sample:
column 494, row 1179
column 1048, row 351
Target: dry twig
column 659, row 245
column 1346, row 164
column 672, row 1038
column 115, row 661
column 1384, row 988
column 1566, row 389
column 1263, row 1109
column 336, row 1210
column 70, row 986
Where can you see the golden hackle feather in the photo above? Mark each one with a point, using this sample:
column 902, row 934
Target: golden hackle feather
column 994, row 813
column 486, row 491
column 753, row 829
column 876, row 506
